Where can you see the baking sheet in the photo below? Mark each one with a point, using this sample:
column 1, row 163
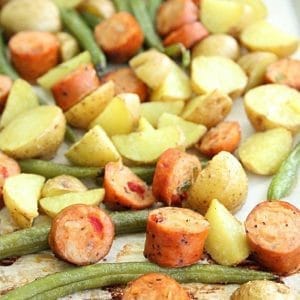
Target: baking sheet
column 284, row 14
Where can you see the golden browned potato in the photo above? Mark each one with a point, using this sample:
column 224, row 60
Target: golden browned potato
column 100, row 8
column 68, row 45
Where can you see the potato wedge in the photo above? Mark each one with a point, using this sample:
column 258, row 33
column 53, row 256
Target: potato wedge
column 176, row 86
column 144, row 125
column 120, row 116
column 263, row 36
column 153, row 110
column 21, row 194
column 100, row 8
column 94, row 149
column 152, row 67
column 255, row 65
column 209, row 109
column 20, row 99
column 224, row 179
column 56, row 74
column 68, row 45
column 192, row 131
column 146, row 146
column 83, row 113
column 273, row 105
column 53, row 205
column 217, row 45
column 227, row 231
column 263, row 152
column 211, row 73
column 61, row 185
column 37, row 132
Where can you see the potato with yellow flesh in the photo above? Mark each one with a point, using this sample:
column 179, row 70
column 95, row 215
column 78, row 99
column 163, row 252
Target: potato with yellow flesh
column 176, row 86
column 152, row 67
column 21, row 194
column 20, row 99
column 153, row 110
column 217, row 45
column 211, row 73
column 83, row 113
column 37, row 132
column 100, row 8
column 61, row 185
column 273, row 105
column 209, row 109
column 226, row 242
column 120, row 116
column 53, row 205
column 67, row 3
column 68, row 47
column 255, row 65
column 94, row 149
column 192, row 131
column 263, row 36
column 146, row 146
column 263, row 152
column 224, row 179
column 144, row 125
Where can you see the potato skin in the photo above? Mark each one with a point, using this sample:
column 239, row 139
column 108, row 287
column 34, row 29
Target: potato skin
column 224, row 179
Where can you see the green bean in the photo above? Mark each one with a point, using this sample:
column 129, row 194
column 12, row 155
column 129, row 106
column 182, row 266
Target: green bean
column 152, row 6
column 77, row 277
column 178, row 49
column 140, row 12
column 70, row 135
column 35, row 239
column 91, row 20
column 286, row 177
column 122, row 5
column 83, row 33
column 5, row 67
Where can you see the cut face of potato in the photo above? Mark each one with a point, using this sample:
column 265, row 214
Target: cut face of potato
column 152, row 67
column 20, row 99
column 224, row 179
column 103, row 8
column 120, row 116
column 227, row 231
column 192, row 131
column 217, row 45
column 273, row 105
column 144, row 125
column 94, row 149
column 262, row 36
column 211, row 73
column 21, row 194
column 153, row 110
column 209, row 109
column 255, row 65
column 53, row 205
column 146, row 146
column 37, row 132
column 68, row 45
column 263, row 152
column 83, row 113
column 61, row 185
column 176, row 86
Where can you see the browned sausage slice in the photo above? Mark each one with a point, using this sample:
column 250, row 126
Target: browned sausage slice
column 5, row 86
column 273, row 231
column 175, row 236
column 75, row 86
column 120, row 36
column 33, row 53
column 123, row 189
column 127, row 82
column 154, row 286
column 81, row 234
column 173, row 14
column 284, row 71
column 175, row 172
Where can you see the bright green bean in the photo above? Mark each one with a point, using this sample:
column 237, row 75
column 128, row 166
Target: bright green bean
column 140, row 12
column 286, row 177
column 84, row 35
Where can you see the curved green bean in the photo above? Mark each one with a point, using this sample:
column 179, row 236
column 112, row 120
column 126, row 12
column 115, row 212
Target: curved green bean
column 286, row 177
column 152, row 6
column 178, row 49
column 91, row 20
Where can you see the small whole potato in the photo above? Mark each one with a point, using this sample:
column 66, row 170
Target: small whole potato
column 263, row 289
column 224, row 179
column 218, row 45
